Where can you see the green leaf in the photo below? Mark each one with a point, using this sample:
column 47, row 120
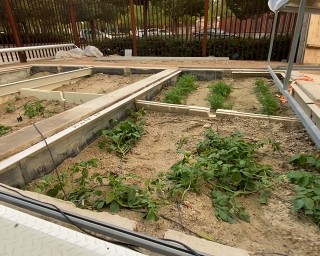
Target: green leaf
column 114, row 207
column 85, row 173
column 309, row 203
column 151, row 215
column 100, row 205
column 298, row 159
column 131, row 197
column 236, row 177
column 264, row 196
column 53, row 192
column 223, row 215
column 243, row 215
column 110, row 198
column 98, row 192
column 298, row 204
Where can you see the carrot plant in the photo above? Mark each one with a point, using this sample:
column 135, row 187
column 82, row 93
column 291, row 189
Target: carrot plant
column 219, row 91
column 178, row 94
column 270, row 104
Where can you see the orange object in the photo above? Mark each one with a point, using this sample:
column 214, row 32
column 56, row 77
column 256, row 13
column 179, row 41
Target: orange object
column 290, row 89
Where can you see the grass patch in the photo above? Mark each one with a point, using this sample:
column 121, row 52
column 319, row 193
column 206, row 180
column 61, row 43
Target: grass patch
column 178, row 94
column 270, row 104
column 219, row 91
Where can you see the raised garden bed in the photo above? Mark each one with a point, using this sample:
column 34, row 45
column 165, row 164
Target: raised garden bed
column 17, row 112
column 272, row 227
column 243, row 96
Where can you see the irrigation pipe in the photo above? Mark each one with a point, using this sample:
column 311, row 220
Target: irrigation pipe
column 127, row 236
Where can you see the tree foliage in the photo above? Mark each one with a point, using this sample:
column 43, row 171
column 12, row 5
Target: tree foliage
column 178, row 8
column 100, row 10
column 244, row 9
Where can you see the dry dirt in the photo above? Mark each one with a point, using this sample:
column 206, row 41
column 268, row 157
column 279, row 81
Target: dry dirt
column 102, row 83
column 273, row 228
column 98, row 83
column 10, row 118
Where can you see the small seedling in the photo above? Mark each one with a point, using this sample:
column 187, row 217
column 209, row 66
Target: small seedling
column 34, row 109
column 4, row 129
column 10, row 107
column 123, row 135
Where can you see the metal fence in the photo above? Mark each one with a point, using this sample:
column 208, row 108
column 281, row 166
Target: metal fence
column 239, row 29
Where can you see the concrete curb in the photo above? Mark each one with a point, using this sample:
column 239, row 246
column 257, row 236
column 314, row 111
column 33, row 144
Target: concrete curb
column 172, row 108
column 53, row 81
column 232, row 113
column 205, row 246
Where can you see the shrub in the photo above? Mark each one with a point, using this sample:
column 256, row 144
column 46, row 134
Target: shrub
column 247, row 48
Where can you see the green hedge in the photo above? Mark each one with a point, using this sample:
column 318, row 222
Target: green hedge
column 247, row 48
column 44, row 38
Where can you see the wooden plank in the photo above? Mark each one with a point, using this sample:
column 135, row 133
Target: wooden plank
column 312, row 52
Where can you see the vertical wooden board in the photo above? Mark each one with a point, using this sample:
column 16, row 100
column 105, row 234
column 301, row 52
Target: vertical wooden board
column 312, row 52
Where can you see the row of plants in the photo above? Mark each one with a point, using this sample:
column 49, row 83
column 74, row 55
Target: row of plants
column 270, row 104
column 178, row 93
column 219, row 91
column 222, row 167
column 31, row 109
column 247, row 48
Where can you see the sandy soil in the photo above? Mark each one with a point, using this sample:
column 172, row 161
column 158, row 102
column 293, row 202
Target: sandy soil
column 101, row 83
column 98, row 83
column 10, row 118
column 273, row 228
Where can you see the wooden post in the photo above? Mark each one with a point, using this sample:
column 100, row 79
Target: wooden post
column 205, row 29
column 74, row 23
column 133, row 29
column 14, row 29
